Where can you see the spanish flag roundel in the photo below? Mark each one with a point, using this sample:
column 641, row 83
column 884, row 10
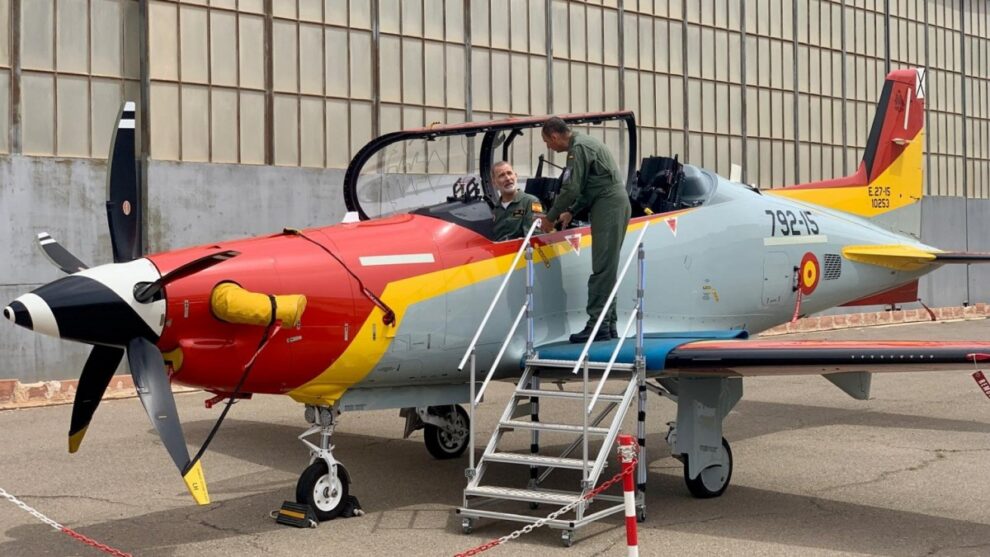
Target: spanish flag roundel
column 810, row 273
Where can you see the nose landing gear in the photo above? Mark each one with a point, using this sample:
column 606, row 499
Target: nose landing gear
column 325, row 483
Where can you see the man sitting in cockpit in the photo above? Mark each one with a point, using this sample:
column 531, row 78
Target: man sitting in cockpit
column 516, row 209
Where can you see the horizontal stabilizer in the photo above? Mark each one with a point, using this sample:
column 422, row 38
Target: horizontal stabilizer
column 910, row 258
column 894, row 256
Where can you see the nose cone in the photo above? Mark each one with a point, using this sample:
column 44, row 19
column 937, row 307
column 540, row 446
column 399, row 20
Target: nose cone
column 19, row 314
column 95, row 306
column 32, row 312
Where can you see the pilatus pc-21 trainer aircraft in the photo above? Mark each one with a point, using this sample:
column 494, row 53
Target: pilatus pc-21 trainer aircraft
column 379, row 310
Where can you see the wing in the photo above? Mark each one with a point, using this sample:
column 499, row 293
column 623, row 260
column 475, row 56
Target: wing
column 819, row 357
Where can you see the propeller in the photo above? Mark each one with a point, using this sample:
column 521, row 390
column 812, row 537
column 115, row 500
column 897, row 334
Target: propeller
column 155, row 392
column 89, row 296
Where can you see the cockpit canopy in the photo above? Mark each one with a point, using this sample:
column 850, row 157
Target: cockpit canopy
column 414, row 169
column 444, row 171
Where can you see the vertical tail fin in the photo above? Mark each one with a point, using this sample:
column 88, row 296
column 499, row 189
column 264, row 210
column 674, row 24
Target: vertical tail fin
column 890, row 176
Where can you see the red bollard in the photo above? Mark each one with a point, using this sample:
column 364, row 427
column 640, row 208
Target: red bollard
column 628, row 450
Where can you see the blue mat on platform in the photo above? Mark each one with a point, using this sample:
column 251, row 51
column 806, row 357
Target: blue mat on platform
column 656, row 346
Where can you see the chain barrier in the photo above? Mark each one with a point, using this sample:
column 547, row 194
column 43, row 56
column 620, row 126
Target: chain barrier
column 64, row 529
column 541, row 522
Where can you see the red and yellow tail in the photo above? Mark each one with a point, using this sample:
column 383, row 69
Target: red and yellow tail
column 890, row 175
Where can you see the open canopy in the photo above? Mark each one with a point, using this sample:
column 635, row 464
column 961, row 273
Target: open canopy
column 411, row 169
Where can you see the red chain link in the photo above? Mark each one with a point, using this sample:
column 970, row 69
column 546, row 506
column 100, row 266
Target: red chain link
column 615, row 479
column 102, row 547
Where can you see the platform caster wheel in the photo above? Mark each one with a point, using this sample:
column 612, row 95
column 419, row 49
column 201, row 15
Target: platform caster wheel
column 712, row 481
column 467, row 525
column 640, row 515
column 315, row 488
column 443, row 445
column 567, row 538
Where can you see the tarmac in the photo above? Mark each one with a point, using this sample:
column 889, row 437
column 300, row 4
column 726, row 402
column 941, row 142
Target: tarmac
column 816, row 473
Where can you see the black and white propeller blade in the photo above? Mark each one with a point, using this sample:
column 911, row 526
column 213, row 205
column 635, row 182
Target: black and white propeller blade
column 58, row 255
column 155, row 392
column 96, row 375
column 124, row 208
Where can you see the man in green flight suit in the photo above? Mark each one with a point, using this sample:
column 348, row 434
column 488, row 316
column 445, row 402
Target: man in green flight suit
column 591, row 180
column 515, row 210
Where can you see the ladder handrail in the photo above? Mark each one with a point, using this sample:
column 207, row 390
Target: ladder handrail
column 491, row 307
column 611, row 296
column 505, row 344
column 611, row 361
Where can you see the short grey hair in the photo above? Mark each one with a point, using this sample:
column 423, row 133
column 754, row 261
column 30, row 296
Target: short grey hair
column 496, row 166
column 555, row 125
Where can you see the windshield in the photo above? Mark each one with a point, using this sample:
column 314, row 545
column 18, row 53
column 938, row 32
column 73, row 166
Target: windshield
column 410, row 174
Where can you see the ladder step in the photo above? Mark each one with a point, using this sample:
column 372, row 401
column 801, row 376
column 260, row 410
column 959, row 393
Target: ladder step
column 531, row 495
column 543, row 426
column 569, row 364
column 565, row 394
column 537, row 460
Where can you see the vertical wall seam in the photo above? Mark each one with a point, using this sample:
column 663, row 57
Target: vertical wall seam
column 143, row 138
column 844, row 86
column 16, row 143
column 270, row 86
column 685, row 112
column 548, row 17
column 795, row 101
column 744, row 107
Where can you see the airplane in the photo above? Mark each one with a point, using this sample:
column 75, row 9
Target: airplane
column 376, row 312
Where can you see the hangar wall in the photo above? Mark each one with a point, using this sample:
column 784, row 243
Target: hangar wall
column 254, row 107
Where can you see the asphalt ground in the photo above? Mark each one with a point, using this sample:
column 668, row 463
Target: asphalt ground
column 816, row 473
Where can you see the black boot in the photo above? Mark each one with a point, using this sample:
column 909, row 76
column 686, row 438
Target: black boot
column 612, row 331
column 603, row 334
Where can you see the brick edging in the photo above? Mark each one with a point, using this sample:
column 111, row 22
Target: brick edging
column 850, row 320
column 14, row 394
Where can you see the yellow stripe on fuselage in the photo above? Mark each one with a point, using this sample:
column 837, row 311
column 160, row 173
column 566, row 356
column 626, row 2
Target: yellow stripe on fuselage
column 366, row 350
column 903, row 178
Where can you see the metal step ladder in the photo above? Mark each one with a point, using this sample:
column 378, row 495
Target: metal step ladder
column 599, row 416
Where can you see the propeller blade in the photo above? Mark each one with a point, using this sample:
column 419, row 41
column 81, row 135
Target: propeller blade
column 96, row 375
column 124, row 191
column 146, row 291
column 155, row 391
column 58, row 255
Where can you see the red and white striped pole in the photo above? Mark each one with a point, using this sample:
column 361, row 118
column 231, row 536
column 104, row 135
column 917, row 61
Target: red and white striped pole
column 628, row 450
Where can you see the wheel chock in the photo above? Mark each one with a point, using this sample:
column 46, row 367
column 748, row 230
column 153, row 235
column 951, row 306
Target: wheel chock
column 299, row 515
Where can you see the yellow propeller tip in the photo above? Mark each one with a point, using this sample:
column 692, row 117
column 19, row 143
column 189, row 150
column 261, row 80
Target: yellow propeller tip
column 196, row 484
column 75, row 439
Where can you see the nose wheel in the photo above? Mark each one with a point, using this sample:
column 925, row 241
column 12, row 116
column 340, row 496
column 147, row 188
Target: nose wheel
column 326, row 493
column 325, row 484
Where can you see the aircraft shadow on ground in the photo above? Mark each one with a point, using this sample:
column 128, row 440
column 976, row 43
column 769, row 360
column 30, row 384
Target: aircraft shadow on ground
column 742, row 513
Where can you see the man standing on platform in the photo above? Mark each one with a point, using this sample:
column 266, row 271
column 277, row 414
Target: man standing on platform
column 591, row 181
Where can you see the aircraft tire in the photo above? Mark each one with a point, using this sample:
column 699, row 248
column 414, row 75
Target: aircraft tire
column 314, row 489
column 712, row 481
column 440, row 444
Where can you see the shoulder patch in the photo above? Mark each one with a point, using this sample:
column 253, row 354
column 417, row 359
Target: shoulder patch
column 536, row 207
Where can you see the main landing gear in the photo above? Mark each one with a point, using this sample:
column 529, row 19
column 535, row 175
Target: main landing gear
column 445, row 429
column 324, row 485
column 696, row 437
